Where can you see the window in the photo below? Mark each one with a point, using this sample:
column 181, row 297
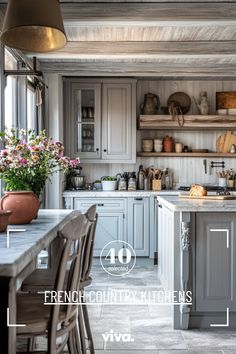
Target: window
column 31, row 109
column 10, row 117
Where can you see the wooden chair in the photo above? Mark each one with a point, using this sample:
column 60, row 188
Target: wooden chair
column 58, row 322
column 43, row 279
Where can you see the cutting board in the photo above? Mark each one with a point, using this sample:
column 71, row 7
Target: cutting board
column 225, row 141
column 209, row 197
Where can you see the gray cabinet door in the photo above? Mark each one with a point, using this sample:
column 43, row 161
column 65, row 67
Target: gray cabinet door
column 117, row 132
column 215, row 261
column 110, row 227
column 138, row 225
column 83, row 119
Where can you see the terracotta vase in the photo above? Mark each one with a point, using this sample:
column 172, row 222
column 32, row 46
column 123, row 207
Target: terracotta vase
column 4, row 219
column 23, row 204
column 168, row 144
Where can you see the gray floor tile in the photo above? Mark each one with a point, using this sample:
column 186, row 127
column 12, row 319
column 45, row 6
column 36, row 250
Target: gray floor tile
column 209, row 339
column 160, row 310
column 125, row 310
column 190, row 352
column 126, row 352
column 153, row 341
column 151, row 325
column 104, row 324
column 94, row 310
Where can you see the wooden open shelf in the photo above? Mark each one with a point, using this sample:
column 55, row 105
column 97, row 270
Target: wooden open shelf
column 192, row 122
column 185, row 154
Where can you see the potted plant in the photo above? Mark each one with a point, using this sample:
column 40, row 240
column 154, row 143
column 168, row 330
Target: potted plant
column 26, row 163
column 109, row 183
column 98, row 184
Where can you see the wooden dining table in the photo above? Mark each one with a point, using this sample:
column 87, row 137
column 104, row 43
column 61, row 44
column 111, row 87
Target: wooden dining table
column 18, row 260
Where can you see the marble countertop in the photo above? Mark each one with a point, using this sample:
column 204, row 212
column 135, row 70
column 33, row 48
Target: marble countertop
column 26, row 245
column 114, row 194
column 174, row 203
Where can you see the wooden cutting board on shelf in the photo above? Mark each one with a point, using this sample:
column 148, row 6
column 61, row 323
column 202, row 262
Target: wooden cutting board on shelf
column 225, row 141
column 209, row 197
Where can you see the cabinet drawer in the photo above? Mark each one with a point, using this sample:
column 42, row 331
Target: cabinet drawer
column 103, row 204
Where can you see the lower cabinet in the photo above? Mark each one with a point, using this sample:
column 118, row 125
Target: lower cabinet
column 139, row 225
column 110, row 227
column 215, row 262
column 126, row 219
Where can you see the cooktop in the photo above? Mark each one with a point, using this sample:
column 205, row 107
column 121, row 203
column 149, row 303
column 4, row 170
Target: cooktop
column 209, row 188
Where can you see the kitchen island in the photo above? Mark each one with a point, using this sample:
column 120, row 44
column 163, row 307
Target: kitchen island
column 197, row 253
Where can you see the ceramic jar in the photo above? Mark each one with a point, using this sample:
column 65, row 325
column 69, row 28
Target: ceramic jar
column 158, row 145
column 168, row 144
column 222, row 182
column 178, row 147
column 147, row 145
column 23, row 204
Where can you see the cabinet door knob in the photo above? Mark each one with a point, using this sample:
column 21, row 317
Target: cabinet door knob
column 140, row 199
column 105, row 150
column 159, row 206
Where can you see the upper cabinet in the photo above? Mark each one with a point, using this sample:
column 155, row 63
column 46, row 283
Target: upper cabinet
column 100, row 119
column 83, row 119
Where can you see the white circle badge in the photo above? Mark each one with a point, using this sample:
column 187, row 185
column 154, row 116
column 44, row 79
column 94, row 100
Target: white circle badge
column 117, row 258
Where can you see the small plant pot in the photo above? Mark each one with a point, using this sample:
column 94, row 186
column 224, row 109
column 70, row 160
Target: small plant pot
column 109, row 185
column 98, row 186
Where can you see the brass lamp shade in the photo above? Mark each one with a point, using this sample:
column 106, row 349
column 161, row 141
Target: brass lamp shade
column 33, row 26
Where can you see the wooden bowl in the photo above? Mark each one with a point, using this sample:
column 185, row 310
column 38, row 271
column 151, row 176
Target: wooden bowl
column 4, row 216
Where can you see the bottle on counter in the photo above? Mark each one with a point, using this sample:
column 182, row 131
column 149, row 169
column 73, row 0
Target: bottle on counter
column 132, row 182
column 168, row 180
column 141, row 175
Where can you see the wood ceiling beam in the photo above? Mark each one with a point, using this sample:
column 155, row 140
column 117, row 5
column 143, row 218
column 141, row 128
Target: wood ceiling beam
column 203, row 70
column 149, row 12
column 83, row 50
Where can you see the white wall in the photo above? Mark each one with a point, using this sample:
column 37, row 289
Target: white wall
column 54, row 128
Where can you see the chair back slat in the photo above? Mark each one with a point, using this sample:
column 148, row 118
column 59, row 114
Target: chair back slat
column 88, row 254
column 74, row 231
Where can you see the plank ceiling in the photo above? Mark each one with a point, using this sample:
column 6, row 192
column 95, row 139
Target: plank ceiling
column 154, row 38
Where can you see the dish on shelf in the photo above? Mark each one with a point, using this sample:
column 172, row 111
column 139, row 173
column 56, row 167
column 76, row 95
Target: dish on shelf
column 182, row 99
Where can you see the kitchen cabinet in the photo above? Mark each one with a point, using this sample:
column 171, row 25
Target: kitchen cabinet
column 139, row 225
column 117, row 133
column 110, row 227
column 215, row 262
column 111, row 223
column 197, row 254
column 100, row 121
column 128, row 217
column 83, row 119
column 165, row 227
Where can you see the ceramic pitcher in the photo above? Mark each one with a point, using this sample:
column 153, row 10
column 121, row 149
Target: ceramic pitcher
column 151, row 104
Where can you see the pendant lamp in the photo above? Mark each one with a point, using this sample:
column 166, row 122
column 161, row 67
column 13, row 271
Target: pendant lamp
column 33, row 26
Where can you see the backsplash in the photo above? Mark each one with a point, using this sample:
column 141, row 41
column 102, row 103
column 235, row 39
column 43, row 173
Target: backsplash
column 185, row 170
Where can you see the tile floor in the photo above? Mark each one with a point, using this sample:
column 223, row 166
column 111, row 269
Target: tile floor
column 149, row 326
